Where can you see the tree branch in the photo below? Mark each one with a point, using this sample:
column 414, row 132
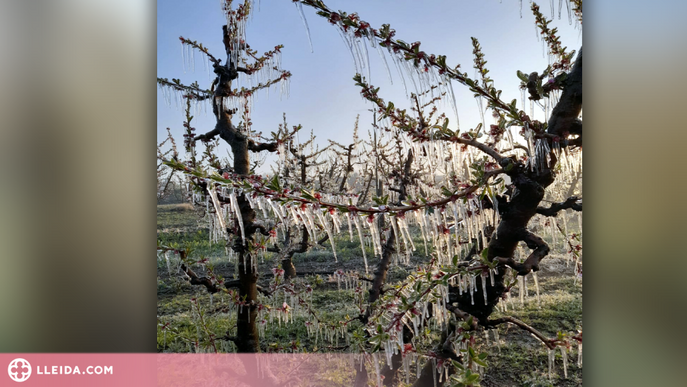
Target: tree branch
column 540, row 250
column 550, row 343
column 261, row 146
column 564, row 119
column 195, row 280
column 237, row 284
column 462, row 315
column 571, row 202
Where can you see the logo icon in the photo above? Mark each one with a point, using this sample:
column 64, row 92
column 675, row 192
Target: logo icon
column 19, row 370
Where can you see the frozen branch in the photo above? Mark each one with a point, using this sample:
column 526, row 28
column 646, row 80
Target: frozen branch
column 195, row 280
column 550, row 343
column 540, row 250
column 237, row 284
column 571, row 202
column 564, row 117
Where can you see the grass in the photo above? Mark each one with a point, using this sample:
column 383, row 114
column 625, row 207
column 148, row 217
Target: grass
column 520, row 359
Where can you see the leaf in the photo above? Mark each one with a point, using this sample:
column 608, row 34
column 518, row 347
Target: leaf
column 307, row 195
column 274, row 183
column 522, row 76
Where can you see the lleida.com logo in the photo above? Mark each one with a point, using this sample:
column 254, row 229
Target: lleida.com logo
column 19, row 370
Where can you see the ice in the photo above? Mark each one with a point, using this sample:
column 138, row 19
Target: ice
column 471, row 289
column 218, row 210
column 306, row 215
column 328, row 230
column 375, row 359
column 579, row 354
column 480, row 106
column 552, row 357
column 395, row 58
column 237, row 212
column 386, row 65
column 484, row 287
column 564, row 355
column 367, row 58
column 349, row 45
column 397, row 235
column 299, row 6
column 183, row 55
column 420, row 222
column 536, row 285
column 350, row 227
column 374, row 236
column 362, row 243
column 417, row 366
column 434, row 374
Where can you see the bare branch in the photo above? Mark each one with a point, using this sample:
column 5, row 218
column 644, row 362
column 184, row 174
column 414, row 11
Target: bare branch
column 540, row 250
column 508, row 319
column 571, row 202
column 195, row 280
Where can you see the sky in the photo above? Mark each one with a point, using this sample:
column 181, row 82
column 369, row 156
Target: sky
column 323, row 97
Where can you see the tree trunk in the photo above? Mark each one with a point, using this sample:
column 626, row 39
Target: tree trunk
column 289, row 269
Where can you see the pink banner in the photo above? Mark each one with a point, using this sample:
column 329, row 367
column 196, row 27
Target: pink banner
column 132, row 370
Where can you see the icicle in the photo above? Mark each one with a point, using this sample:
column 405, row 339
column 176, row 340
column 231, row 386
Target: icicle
column 536, row 286
column 579, row 354
column 472, row 291
column 306, row 215
column 521, row 285
column 375, row 359
column 362, row 244
column 374, row 233
column 386, row 65
column 564, row 355
column 396, row 60
column 328, row 230
column 349, row 45
column 367, row 58
column 417, row 366
column 183, row 55
column 169, row 268
column 552, row 356
column 484, row 287
column 434, row 372
column 299, row 6
column 237, row 212
column 421, row 221
column 394, row 226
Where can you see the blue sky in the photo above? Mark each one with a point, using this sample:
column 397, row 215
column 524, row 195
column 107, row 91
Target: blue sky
column 323, row 97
